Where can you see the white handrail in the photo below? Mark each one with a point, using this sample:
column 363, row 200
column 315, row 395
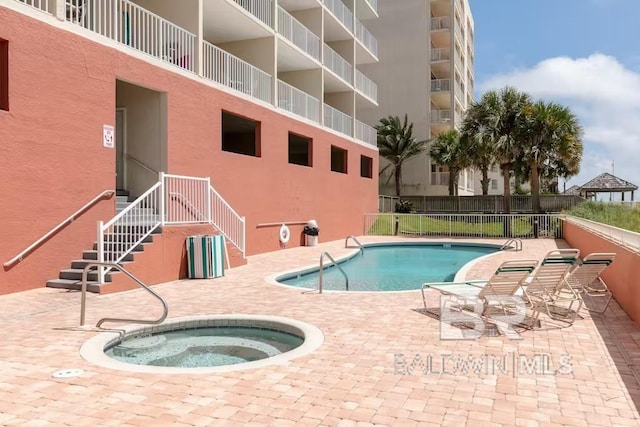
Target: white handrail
column 132, row 206
column 57, row 227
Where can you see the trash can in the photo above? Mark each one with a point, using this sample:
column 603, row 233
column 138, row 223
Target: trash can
column 311, row 232
column 205, row 256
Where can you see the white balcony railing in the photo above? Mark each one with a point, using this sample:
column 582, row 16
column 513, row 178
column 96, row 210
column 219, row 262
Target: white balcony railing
column 294, row 31
column 341, row 12
column 440, row 85
column 458, row 61
column 440, row 54
column 366, row 133
column 440, row 23
column 439, row 178
column 440, row 116
column 224, row 68
column 337, row 120
column 136, row 27
column 366, row 86
column 373, row 4
column 366, row 38
column 261, row 9
column 298, row 102
column 336, row 63
column 43, row 5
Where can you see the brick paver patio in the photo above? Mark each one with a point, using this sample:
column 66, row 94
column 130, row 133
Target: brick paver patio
column 355, row 378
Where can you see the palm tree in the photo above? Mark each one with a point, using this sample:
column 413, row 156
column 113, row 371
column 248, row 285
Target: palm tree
column 552, row 144
column 448, row 149
column 397, row 144
column 480, row 144
column 498, row 116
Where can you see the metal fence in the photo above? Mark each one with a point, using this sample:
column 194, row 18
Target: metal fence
column 464, row 225
column 489, row 204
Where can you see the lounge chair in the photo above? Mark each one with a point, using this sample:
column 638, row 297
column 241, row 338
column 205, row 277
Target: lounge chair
column 585, row 278
column 548, row 289
column 496, row 294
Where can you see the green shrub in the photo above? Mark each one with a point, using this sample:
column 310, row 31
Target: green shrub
column 404, row 206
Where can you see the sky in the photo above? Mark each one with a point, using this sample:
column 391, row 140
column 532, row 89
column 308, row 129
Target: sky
column 584, row 54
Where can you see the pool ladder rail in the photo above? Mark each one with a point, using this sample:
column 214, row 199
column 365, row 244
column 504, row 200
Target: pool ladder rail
column 357, row 242
column 333, row 261
column 113, row 265
column 512, row 244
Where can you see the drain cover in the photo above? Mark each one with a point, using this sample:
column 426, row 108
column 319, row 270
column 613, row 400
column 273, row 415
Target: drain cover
column 68, row 373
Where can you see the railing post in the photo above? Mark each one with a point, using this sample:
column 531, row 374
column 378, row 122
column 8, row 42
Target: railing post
column 59, row 9
column 208, row 199
column 161, row 210
column 100, row 248
column 244, row 237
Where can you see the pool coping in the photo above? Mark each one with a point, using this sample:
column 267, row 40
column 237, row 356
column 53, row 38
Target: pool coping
column 460, row 275
column 92, row 350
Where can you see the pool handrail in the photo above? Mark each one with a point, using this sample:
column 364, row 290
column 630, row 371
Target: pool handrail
column 356, row 241
column 517, row 245
column 320, row 283
column 113, row 265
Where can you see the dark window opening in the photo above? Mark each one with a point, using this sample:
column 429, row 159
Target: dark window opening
column 240, row 135
column 366, row 167
column 4, row 75
column 338, row 159
column 300, row 152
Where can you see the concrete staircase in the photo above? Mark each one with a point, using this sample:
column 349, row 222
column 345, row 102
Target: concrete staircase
column 71, row 278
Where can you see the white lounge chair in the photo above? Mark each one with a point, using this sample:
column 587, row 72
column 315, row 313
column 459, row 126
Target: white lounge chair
column 585, row 278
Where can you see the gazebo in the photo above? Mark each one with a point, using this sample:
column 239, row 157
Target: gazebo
column 574, row 190
column 607, row 183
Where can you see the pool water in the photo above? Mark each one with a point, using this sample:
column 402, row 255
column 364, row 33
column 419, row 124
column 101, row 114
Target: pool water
column 394, row 267
column 204, row 347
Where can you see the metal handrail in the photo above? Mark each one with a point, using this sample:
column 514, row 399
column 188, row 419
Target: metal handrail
column 54, row 230
column 516, row 242
column 357, row 243
column 142, row 165
column 320, row 282
column 83, row 301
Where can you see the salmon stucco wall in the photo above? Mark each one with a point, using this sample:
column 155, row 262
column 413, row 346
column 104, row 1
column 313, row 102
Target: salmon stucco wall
column 622, row 276
column 63, row 90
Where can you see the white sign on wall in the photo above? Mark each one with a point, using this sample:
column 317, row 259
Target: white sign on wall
column 108, row 136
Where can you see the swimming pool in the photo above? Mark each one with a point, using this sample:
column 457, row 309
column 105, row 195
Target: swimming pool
column 393, row 267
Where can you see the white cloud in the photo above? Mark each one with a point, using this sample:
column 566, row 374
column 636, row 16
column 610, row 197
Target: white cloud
column 606, row 97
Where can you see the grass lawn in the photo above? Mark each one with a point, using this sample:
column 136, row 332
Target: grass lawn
column 472, row 226
column 619, row 216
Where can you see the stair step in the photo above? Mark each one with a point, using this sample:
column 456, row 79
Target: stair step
column 75, row 285
column 76, row 274
column 82, row 263
column 139, row 248
column 121, row 192
column 93, row 255
column 126, row 237
column 131, row 228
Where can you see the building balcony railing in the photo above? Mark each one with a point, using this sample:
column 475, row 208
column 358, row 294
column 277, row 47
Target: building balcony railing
column 261, row 9
column 373, row 4
column 440, row 178
column 341, row 12
column 337, row 64
column 458, row 62
column 440, row 85
column 440, row 54
column 440, row 116
column 298, row 102
column 440, row 23
column 42, row 5
column 224, row 68
column 294, row 31
column 136, row 27
column 366, row 38
column 337, row 120
column 366, row 86
column 366, row 133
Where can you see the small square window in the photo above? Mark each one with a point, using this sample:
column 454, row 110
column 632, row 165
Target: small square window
column 300, row 150
column 240, row 135
column 494, row 184
column 366, row 167
column 4, row 75
column 338, row 159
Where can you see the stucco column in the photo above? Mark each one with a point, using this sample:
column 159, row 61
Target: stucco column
column 59, row 9
column 199, row 48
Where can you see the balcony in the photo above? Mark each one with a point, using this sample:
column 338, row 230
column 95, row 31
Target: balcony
column 137, row 28
column 366, row 87
column 298, row 102
column 440, row 178
column 224, row 68
column 294, row 31
column 440, row 85
column 341, row 13
column 42, row 5
column 337, row 120
column 337, row 64
column 261, row 9
column 440, row 117
column 366, row 133
column 367, row 9
column 368, row 41
column 440, row 54
column 440, row 23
